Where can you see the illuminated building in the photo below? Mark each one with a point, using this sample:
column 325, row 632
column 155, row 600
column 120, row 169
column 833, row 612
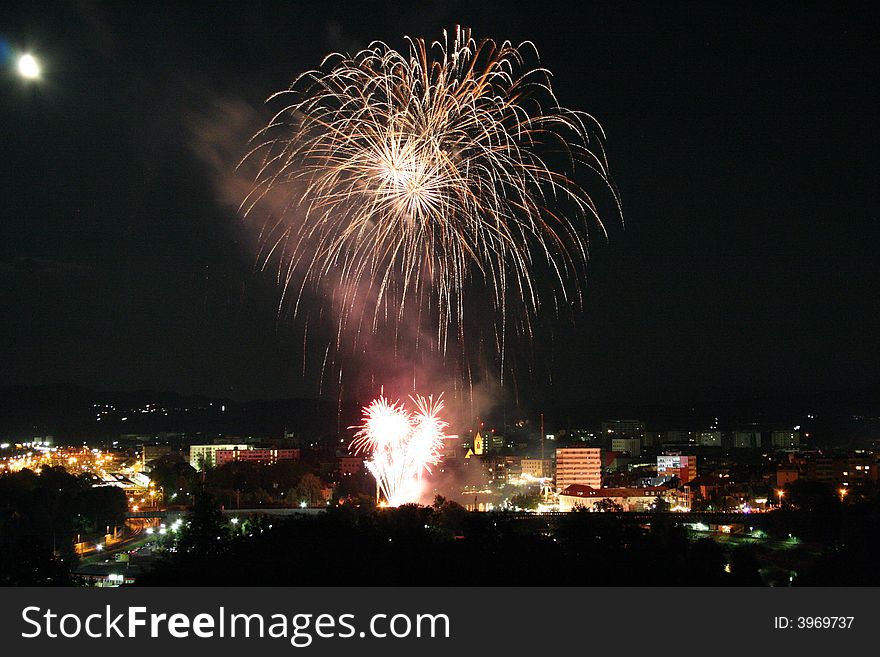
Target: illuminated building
column 513, row 466
column 709, row 439
column 680, row 499
column 786, row 475
column 684, row 439
column 785, row 439
column 261, row 456
column 678, row 465
column 852, row 471
column 706, row 485
column 632, row 446
column 628, row 499
column 537, row 468
column 624, row 428
column 578, row 465
column 861, row 470
column 585, row 436
column 653, row 438
column 479, row 447
column 746, row 439
column 496, row 442
column 153, row 452
column 822, row 468
column 494, row 469
column 205, row 456
column 350, row 465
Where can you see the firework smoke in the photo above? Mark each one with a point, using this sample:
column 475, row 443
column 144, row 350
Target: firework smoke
column 401, row 446
column 426, row 186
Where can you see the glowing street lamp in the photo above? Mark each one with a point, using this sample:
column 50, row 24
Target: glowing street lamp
column 780, row 494
column 842, row 492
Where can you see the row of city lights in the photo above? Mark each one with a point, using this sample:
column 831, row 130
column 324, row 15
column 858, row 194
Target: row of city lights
column 841, row 492
column 163, row 529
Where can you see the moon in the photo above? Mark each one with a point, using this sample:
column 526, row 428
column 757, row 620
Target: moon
column 28, row 67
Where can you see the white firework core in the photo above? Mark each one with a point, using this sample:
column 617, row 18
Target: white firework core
column 401, row 447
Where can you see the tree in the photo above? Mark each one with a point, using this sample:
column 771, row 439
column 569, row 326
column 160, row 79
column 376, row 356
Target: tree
column 39, row 518
column 529, row 500
column 177, row 478
column 661, row 505
column 105, row 506
column 810, row 495
column 449, row 515
column 310, row 489
column 283, row 475
column 353, row 487
column 607, row 505
column 206, row 528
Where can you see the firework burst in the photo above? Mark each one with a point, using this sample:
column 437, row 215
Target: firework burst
column 434, row 181
column 401, row 446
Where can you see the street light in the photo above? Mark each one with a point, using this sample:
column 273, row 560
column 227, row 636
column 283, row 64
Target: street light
column 780, row 494
column 842, row 492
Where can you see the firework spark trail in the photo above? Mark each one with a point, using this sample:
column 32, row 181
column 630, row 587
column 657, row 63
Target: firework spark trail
column 408, row 179
column 401, row 446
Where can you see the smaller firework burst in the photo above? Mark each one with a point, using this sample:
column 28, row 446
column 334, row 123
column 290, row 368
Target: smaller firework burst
column 402, row 446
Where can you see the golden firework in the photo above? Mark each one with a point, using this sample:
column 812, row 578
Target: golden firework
column 420, row 178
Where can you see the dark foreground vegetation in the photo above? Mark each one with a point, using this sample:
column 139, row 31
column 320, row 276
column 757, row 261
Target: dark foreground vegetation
column 815, row 540
column 445, row 545
column 40, row 518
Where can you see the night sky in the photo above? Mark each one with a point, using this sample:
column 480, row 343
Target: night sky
column 743, row 141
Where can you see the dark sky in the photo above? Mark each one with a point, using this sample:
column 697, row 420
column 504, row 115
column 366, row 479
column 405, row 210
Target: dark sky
column 743, row 140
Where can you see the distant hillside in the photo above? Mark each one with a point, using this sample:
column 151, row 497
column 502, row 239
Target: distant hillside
column 72, row 412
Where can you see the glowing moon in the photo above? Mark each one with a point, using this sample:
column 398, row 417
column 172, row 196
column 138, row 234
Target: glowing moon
column 28, row 67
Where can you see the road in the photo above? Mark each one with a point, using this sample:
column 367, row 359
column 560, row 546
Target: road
column 135, row 533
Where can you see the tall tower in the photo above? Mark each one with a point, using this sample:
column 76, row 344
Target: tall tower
column 478, row 444
column 542, row 439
